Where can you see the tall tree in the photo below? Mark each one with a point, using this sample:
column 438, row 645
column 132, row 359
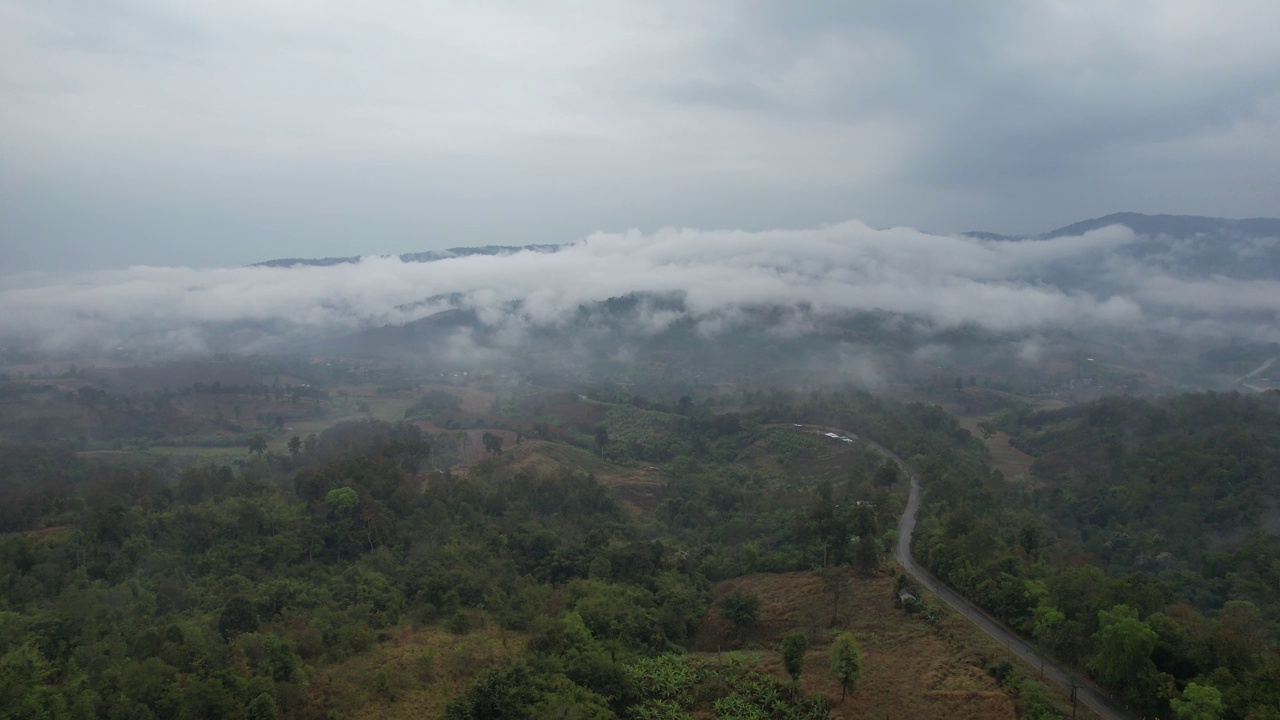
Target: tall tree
column 846, row 663
column 836, row 580
column 257, row 445
column 794, row 646
column 602, row 438
column 492, row 443
column 866, row 527
column 1123, row 646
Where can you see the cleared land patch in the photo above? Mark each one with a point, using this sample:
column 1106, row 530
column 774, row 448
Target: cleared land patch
column 411, row 675
column 909, row 669
column 1014, row 464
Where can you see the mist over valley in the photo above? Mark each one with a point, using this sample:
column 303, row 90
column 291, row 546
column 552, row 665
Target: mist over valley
column 1154, row 303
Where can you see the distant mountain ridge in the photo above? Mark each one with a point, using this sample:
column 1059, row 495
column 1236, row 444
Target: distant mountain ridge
column 1211, row 230
column 1190, row 247
column 425, row 256
column 1183, row 246
column 1173, row 226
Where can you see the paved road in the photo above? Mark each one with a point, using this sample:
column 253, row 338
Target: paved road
column 1244, row 380
column 1085, row 693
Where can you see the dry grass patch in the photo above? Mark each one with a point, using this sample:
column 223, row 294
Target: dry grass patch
column 411, row 675
column 909, row 670
column 1014, row 464
column 637, row 489
column 475, row 402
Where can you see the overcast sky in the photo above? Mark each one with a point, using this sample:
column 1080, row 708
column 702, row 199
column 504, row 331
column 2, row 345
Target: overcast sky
column 189, row 132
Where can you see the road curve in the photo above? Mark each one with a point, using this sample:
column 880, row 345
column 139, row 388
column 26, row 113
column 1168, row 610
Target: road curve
column 1244, row 379
column 1088, row 695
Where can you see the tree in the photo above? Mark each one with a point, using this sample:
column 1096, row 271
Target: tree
column 343, row 500
column 263, row 707
column 1200, row 702
column 295, row 446
column 602, row 438
column 888, row 473
column 741, row 609
column 238, row 616
column 867, row 556
column 865, row 526
column 794, row 646
column 257, row 445
column 836, row 581
column 1047, row 630
column 1124, row 644
column 846, row 663
column 503, row 692
column 492, row 443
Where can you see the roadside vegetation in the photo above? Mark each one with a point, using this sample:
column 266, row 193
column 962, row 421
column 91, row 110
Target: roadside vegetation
column 1143, row 552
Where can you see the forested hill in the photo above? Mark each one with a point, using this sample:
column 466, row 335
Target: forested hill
column 1179, row 475
column 1190, row 246
column 1144, row 548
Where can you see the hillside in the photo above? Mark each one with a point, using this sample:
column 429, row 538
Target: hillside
column 1158, row 516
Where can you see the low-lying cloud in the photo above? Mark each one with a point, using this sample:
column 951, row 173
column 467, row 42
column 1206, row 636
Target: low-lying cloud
column 950, row 281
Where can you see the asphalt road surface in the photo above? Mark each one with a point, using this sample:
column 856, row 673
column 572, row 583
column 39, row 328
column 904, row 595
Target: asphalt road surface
column 1086, row 694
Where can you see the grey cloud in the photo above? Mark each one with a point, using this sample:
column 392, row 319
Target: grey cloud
column 1212, row 296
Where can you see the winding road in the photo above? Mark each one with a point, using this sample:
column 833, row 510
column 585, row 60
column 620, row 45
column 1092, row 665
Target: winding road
column 1244, row 380
column 1087, row 694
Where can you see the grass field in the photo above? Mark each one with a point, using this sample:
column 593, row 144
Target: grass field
column 638, row 489
column 1014, row 464
column 412, row 675
column 911, row 669
column 215, row 455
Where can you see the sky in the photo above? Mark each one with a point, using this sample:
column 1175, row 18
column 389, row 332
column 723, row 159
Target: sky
column 212, row 134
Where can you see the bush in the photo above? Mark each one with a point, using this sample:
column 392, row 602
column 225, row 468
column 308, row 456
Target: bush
column 460, row 623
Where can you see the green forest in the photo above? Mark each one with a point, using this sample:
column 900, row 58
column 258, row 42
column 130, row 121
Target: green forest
column 1143, row 553
column 225, row 590
column 1144, row 550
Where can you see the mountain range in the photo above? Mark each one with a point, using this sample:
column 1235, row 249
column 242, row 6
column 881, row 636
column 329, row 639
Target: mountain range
column 1185, row 245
